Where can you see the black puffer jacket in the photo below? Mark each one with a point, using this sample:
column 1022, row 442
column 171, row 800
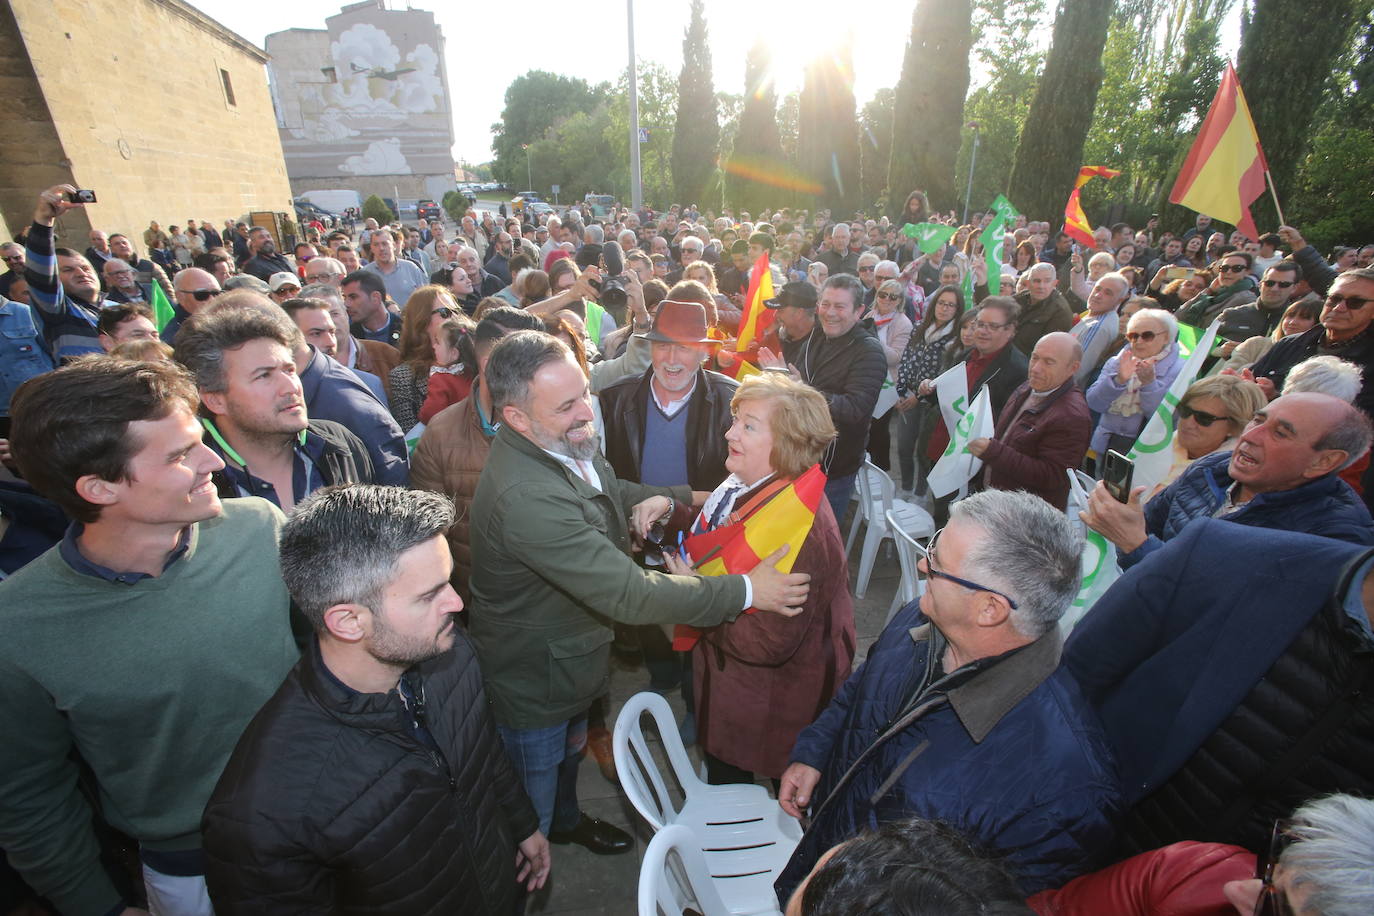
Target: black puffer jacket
column 330, row 803
column 624, row 411
column 849, row 370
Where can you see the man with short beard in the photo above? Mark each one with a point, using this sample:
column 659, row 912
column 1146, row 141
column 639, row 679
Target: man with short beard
column 547, row 584
column 63, row 286
column 265, row 261
column 121, row 283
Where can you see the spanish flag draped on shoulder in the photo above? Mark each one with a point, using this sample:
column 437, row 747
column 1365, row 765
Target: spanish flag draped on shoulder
column 781, row 513
column 1225, row 170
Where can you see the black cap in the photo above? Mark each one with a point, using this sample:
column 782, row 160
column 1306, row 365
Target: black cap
column 798, row 294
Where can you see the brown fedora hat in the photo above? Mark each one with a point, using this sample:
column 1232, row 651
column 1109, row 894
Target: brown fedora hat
column 679, row 323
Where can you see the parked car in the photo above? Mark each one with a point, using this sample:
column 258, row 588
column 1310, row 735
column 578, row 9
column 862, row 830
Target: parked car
column 539, row 208
column 428, row 210
column 306, row 212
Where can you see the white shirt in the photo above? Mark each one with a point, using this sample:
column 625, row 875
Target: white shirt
column 671, row 408
column 584, row 469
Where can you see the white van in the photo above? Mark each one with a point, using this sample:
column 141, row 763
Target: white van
column 335, row 201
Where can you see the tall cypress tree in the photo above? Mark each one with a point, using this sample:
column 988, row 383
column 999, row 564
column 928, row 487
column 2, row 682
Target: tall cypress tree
column 696, row 137
column 1287, row 54
column 1051, row 143
column 828, row 129
column 757, row 151
column 929, row 108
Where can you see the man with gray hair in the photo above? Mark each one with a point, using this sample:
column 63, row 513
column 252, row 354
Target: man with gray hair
column 121, row 283
column 941, row 719
column 1098, row 329
column 374, row 774
column 1043, row 308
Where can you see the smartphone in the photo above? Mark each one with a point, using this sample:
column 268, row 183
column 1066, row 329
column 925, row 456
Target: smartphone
column 1117, row 471
column 82, row 196
column 1178, row 273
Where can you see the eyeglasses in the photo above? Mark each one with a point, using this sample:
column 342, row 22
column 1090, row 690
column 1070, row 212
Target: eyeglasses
column 890, row 297
column 201, row 295
column 1351, row 303
column 444, row 312
column 1202, row 417
column 866, row 270
column 1146, row 336
column 14, row 258
column 1232, row 268
column 1270, row 284
column 979, row 325
column 930, row 558
column 1271, row 900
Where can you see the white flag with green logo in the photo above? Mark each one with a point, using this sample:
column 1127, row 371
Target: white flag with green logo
column 957, row 466
column 951, row 393
column 1153, row 452
column 1099, row 566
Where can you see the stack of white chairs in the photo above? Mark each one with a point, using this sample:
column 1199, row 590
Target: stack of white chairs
column 883, row 514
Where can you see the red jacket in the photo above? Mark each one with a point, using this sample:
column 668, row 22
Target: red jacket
column 1031, row 452
column 1184, row 879
column 763, row 678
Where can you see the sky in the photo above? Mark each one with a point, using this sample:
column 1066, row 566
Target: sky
column 489, row 45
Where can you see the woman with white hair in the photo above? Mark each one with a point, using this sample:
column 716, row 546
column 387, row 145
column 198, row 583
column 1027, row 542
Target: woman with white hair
column 1133, row 382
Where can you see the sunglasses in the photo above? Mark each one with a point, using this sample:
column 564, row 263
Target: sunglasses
column 1202, row 417
column 1271, row 900
column 1146, row 336
column 1281, row 284
column 929, row 551
column 866, row 270
column 201, row 295
column 890, row 297
column 444, row 312
column 1232, row 268
column 1351, row 303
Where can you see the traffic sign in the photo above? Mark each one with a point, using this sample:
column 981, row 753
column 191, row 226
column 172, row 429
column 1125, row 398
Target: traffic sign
column 644, row 135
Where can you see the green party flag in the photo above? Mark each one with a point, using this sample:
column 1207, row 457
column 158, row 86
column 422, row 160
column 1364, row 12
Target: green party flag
column 162, row 309
column 1187, row 339
column 992, row 238
column 968, row 289
column 1003, row 208
column 930, row 237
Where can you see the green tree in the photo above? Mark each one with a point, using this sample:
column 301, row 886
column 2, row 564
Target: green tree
column 373, row 208
column 875, row 146
column 535, row 101
column 1007, row 53
column 576, row 155
column 1288, row 53
column 756, row 152
column 828, row 129
column 1049, row 151
column 657, row 94
column 929, row 104
column 696, row 140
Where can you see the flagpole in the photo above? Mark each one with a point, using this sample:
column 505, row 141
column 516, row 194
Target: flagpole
column 1269, row 180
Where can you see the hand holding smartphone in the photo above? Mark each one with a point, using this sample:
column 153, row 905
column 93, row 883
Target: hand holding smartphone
column 1117, row 471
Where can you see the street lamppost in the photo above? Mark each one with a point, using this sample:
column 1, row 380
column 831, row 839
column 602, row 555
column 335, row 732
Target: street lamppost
column 529, row 179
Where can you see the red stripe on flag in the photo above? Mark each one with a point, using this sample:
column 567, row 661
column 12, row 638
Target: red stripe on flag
column 757, row 317
column 1218, row 119
column 1076, row 221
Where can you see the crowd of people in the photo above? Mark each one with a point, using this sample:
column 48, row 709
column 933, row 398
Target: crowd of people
column 313, row 564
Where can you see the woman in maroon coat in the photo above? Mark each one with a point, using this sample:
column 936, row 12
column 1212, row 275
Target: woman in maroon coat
column 763, row 678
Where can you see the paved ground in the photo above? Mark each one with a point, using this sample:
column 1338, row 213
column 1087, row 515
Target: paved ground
column 583, row 884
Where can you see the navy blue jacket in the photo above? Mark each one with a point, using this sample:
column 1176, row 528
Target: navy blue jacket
column 1325, row 506
column 333, row 392
column 1177, row 642
column 1009, row 752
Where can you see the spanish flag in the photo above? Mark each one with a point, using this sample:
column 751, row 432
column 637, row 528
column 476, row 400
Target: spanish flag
column 757, row 316
column 1225, row 169
column 1075, row 220
column 785, row 517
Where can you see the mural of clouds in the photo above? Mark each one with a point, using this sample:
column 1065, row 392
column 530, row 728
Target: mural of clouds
column 383, row 157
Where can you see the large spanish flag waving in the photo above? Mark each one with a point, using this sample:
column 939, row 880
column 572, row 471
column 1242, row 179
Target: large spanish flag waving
column 1225, row 169
column 737, row 547
column 1075, row 220
column 757, row 316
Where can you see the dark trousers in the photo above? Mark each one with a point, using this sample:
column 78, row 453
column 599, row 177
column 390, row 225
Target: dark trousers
column 880, row 440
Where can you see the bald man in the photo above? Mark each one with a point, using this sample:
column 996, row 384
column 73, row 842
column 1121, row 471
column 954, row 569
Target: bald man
column 1044, row 428
column 193, row 290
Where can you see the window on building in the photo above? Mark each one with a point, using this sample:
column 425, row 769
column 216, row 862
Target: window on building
column 228, row 87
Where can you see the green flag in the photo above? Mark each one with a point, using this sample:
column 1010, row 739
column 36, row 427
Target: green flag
column 1187, row 339
column 1003, row 208
column 992, row 238
column 930, row 237
column 162, row 309
column 968, row 289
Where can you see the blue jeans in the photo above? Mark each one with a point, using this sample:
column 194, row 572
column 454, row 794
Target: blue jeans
column 837, row 493
column 546, row 760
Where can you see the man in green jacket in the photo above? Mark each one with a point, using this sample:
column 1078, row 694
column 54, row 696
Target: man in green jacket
column 551, row 538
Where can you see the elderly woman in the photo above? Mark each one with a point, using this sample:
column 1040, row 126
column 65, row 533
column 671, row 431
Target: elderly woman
column 893, row 330
column 760, row 681
column 1104, row 262
column 425, row 312
column 1212, row 415
column 1134, row 381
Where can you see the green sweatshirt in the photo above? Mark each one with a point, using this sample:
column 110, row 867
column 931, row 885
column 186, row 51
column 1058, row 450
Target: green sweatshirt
column 152, row 683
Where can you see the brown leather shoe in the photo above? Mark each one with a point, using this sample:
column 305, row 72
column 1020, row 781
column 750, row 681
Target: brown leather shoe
column 603, row 752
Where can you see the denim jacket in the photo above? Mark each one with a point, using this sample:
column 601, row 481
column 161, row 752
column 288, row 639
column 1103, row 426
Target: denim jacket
column 22, row 353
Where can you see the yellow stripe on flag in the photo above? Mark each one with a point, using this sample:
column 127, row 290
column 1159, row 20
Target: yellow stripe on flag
column 785, row 520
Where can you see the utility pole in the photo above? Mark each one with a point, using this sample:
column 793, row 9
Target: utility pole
column 973, row 164
column 636, row 183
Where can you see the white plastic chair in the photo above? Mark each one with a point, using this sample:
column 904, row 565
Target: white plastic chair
column 744, row 837
column 865, row 482
column 674, row 877
column 909, row 551
column 883, row 509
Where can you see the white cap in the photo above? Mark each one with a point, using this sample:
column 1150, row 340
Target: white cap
column 278, row 280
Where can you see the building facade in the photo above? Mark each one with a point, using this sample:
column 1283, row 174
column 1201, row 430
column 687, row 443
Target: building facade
column 363, row 104
column 156, row 107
